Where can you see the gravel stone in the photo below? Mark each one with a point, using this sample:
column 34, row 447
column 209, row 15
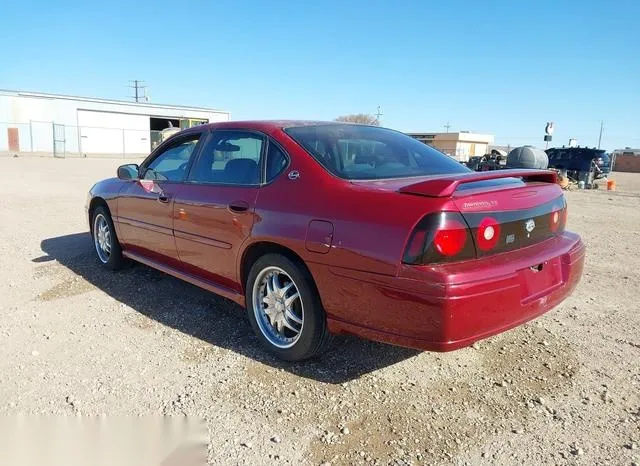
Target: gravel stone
column 138, row 342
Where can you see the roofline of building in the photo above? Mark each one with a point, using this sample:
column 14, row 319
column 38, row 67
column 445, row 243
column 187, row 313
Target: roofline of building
column 461, row 136
column 43, row 95
column 451, row 133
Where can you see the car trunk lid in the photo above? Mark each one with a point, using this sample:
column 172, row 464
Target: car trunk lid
column 504, row 210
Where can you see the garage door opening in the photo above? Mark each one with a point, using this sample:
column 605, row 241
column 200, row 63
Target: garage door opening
column 161, row 129
column 158, row 124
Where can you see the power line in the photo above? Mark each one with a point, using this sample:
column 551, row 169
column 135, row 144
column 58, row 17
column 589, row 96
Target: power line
column 447, row 126
column 137, row 87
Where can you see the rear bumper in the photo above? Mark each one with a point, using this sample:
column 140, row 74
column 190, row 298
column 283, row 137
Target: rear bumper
column 447, row 307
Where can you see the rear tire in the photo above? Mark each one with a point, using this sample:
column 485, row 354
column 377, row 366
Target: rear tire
column 105, row 240
column 284, row 309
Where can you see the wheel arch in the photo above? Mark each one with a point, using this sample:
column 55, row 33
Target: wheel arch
column 260, row 248
column 96, row 202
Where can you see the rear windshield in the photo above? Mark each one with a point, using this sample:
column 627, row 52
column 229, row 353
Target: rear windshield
column 357, row 152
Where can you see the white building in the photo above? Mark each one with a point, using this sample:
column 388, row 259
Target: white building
column 460, row 145
column 65, row 125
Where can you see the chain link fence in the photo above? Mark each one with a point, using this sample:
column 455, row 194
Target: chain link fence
column 47, row 138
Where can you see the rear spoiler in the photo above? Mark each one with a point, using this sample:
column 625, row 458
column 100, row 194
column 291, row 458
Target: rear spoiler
column 445, row 186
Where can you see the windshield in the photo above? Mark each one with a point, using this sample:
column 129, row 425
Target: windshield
column 357, row 152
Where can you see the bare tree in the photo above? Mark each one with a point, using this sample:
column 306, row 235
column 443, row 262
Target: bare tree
column 362, row 118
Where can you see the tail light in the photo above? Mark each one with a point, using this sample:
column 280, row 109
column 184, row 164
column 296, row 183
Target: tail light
column 454, row 236
column 439, row 237
column 558, row 220
column 450, row 238
column 416, row 245
column 487, row 234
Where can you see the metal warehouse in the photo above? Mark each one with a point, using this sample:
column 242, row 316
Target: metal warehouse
column 62, row 125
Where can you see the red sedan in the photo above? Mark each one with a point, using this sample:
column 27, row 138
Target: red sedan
column 326, row 228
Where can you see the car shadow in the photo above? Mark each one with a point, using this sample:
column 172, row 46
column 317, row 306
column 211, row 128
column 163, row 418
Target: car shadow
column 211, row 318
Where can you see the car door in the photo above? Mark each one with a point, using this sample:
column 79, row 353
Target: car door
column 214, row 210
column 145, row 205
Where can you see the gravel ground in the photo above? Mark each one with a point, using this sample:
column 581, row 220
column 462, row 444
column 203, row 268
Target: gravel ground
column 564, row 389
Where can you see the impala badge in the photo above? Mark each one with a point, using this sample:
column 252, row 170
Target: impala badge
column 529, row 225
column 294, row 175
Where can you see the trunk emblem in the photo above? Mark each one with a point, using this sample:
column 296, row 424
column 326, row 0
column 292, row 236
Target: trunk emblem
column 529, row 225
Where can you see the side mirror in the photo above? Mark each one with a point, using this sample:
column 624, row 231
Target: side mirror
column 128, row 172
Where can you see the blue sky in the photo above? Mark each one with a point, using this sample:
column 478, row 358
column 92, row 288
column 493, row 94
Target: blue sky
column 501, row 67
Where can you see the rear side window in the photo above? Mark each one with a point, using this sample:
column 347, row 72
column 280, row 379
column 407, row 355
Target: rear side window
column 358, row 152
column 276, row 161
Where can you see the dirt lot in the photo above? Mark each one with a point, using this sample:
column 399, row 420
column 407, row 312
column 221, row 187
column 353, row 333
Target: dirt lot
column 564, row 389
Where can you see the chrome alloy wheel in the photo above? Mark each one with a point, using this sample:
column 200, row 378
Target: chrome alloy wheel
column 277, row 307
column 102, row 237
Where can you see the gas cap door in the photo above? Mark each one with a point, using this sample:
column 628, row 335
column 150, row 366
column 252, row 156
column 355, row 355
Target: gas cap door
column 319, row 236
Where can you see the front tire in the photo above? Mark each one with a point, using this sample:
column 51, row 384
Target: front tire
column 284, row 309
column 105, row 240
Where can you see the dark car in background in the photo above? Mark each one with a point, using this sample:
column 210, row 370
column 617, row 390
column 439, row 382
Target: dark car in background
column 581, row 163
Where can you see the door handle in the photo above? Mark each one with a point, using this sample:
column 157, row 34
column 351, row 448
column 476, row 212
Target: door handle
column 162, row 197
column 238, row 206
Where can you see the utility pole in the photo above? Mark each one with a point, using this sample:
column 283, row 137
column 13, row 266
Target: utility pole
column 447, row 126
column 378, row 114
column 600, row 137
column 137, row 87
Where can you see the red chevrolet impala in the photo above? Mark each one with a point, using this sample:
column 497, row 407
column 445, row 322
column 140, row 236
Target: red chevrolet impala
column 325, row 228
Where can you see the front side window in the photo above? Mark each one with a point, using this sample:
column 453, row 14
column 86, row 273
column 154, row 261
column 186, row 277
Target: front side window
column 357, row 152
column 230, row 157
column 171, row 164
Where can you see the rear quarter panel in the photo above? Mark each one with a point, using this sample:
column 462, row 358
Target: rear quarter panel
column 369, row 235
column 370, row 227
